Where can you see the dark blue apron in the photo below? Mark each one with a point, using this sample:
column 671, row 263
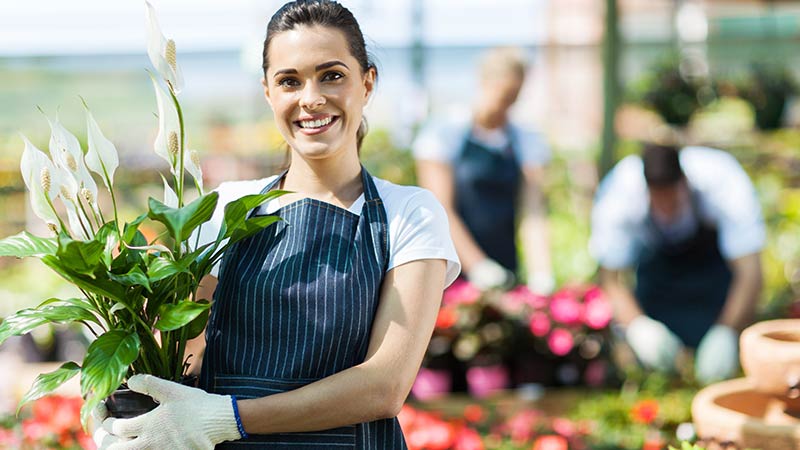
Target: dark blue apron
column 684, row 285
column 487, row 187
column 295, row 303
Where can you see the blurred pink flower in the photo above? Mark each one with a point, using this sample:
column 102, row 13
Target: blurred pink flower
column 597, row 312
column 550, row 442
column 522, row 425
column 431, row 434
column 461, row 292
column 595, row 373
column 468, row 439
column 431, row 383
column 522, row 295
column 539, row 324
column 564, row 427
column 560, row 342
column 565, row 308
column 483, row 381
column 592, row 293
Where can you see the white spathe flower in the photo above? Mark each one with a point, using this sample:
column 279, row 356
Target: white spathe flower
column 168, row 123
column 101, row 156
column 170, row 197
column 162, row 52
column 191, row 161
column 68, row 156
column 41, row 179
column 74, row 216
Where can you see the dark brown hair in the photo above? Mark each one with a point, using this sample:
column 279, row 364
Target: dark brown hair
column 662, row 166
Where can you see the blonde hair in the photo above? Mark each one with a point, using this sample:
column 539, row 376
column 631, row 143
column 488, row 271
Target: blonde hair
column 503, row 61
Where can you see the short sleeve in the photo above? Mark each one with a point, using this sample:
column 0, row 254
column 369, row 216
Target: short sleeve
column 532, row 149
column 438, row 142
column 616, row 225
column 421, row 231
column 730, row 200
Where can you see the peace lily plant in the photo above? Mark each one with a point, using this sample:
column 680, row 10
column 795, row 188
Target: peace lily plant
column 139, row 298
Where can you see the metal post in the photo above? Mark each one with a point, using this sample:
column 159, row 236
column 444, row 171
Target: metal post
column 610, row 86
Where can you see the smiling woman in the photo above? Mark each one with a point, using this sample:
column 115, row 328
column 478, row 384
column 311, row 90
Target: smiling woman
column 320, row 322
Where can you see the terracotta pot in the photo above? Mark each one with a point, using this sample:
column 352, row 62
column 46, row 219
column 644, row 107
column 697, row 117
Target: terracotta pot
column 733, row 411
column 770, row 355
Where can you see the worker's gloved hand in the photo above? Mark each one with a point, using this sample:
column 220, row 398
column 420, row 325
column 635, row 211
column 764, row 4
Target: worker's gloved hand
column 717, row 355
column 102, row 438
column 488, row 274
column 654, row 344
column 541, row 283
column 186, row 417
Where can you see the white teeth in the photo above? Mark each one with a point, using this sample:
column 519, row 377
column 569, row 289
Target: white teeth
column 316, row 123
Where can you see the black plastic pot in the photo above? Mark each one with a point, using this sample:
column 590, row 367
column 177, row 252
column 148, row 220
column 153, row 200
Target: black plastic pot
column 125, row 403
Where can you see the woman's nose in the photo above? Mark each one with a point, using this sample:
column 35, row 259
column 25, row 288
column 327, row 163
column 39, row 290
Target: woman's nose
column 312, row 97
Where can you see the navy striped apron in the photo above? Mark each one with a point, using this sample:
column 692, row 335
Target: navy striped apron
column 295, row 303
column 487, row 192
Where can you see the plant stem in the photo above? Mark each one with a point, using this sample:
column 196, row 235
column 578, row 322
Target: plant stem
column 179, row 163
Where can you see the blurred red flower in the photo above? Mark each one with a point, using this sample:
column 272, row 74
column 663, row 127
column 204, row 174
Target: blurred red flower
column 474, row 413
column 448, row 316
column 644, row 411
column 468, row 439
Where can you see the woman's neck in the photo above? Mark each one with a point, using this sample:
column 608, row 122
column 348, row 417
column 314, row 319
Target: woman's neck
column 333, row 180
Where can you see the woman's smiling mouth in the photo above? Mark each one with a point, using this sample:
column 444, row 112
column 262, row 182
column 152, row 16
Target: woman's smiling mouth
column 316, row 125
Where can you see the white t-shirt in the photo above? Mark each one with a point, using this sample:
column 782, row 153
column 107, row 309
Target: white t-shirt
column 443, row 142
column 726, row 200
column 418, row 227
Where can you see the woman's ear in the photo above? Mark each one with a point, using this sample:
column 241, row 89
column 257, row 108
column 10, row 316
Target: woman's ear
column 266, row 90
column 369, row 83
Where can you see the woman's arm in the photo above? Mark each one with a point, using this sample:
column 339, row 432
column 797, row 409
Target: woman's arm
column 437, row 177
column 376, row 388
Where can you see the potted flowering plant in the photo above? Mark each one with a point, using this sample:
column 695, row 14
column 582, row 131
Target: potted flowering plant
column 138, row 297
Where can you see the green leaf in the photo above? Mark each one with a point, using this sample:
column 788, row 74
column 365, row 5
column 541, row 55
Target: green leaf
column 106, row 364
column 48, row 382
column 134, row 277
column 24, row 244
column 108, row 236
column 161, row 267
column 237, row 210
column 103, row 287
column 199, row 323
column 180, row 222
column 174, row 316
column 49, row 312
column 251, row 227
column 131, row 232
column 83, row 257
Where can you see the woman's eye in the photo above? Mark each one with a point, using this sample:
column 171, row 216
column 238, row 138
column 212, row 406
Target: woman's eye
column 332, row 76
column 288, row 82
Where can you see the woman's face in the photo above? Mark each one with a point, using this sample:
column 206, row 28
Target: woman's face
column 316, row 90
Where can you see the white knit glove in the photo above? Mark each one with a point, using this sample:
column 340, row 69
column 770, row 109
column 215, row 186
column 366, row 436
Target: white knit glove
column 654, row 344
column 186, row 418
column 102, row 438
column 717, row 355
column 488, row 274
column 541, row 283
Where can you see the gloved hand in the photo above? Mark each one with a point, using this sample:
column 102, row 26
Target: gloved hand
column 102, row 438
column 654, row 344
column 186, row 418
column 488, row 274
column 717, row 356
column 541, row 283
